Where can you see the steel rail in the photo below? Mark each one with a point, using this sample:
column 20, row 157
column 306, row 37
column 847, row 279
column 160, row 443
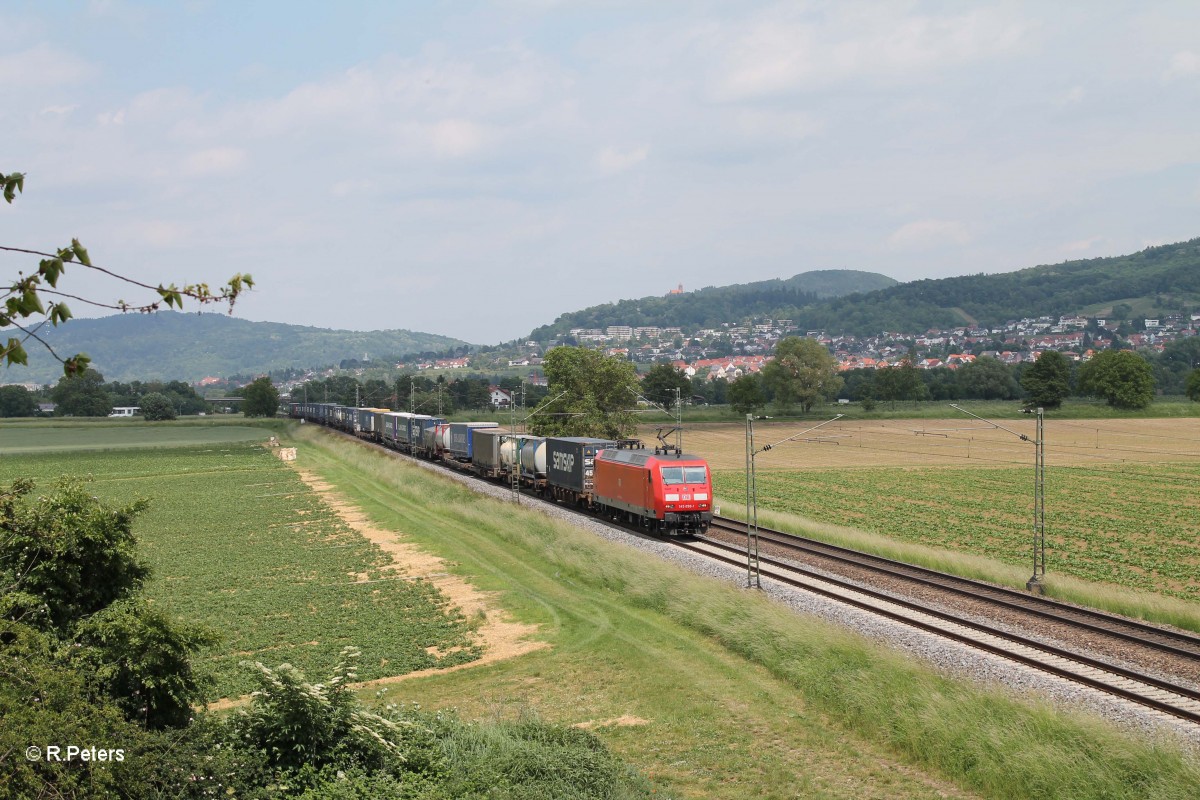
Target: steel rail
column 1176, row 643
column 1190, row 714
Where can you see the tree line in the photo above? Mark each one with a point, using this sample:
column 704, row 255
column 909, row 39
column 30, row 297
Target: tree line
column 88, row 395
column 592, row 394
column 418, row 392
column 1122, row 378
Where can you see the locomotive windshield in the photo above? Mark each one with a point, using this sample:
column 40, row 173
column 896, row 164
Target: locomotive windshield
column 676, row 475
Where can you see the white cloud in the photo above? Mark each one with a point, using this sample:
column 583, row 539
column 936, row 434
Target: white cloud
column 155, row 233
column 1073, row 97
column 789, row 48
column 610, row 160
column 58, row 111
column 40, row 67
column 1183, row 64
column 214, row 161
column 928, row 234
column 348, row 188
column 775, row 125
column 455, row 138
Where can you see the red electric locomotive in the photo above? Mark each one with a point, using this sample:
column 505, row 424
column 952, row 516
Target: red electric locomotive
column 668, row 493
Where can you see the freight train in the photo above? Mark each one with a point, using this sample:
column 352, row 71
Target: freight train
column 660, row 490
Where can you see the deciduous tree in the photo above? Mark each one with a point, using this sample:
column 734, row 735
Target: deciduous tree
column 987, row 379
column 1192, row 386
column 660, row 383
column 17, row 401
column 1048, row 380
column 803, row 371
column 260, row 398
column 81, row 395
column 902, row 382
column 1175, row 364
column 746, row 395
column 157, row 407
column 591, row 394
column 1121, row 377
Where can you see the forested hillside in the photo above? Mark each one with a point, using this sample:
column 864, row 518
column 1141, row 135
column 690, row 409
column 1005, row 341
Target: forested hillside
column 174, row 346
column 1153, row 282
column 1165, row 278
column 716, row 304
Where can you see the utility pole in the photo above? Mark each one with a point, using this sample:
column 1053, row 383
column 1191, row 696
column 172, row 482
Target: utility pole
column 753, row 578
column 1036, row 582
column 515, row 477
column 678, row 422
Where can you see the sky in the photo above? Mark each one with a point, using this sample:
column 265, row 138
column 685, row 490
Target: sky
column 475, row 169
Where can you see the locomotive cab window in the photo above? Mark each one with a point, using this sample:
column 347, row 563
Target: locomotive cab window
column 676, row 475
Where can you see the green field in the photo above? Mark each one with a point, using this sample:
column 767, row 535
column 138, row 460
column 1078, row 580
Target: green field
column 107, row 435
column 1131, row 526
column 237, row 542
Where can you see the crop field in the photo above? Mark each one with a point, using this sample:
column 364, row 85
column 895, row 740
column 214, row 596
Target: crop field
column 1097, row 527
column 849, row 443
column 17, row 438
column 237, row 542
column 1120, row 499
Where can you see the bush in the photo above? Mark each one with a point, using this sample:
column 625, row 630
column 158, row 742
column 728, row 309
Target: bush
column 156, row 407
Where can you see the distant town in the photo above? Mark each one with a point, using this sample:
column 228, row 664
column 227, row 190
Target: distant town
column 731, row 350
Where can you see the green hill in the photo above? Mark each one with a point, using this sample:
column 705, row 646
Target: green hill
column 714, row 305
column 176, row 346
column 1154, row 282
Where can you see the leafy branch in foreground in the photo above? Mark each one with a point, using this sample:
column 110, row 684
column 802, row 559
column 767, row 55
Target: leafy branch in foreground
column 25, row 310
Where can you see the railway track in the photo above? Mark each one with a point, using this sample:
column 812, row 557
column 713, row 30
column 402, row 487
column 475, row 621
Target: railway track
column 1164, row 696
column 1175, row 643
column 1168, row 696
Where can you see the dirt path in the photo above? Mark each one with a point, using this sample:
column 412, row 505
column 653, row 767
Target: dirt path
column 498, row 636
